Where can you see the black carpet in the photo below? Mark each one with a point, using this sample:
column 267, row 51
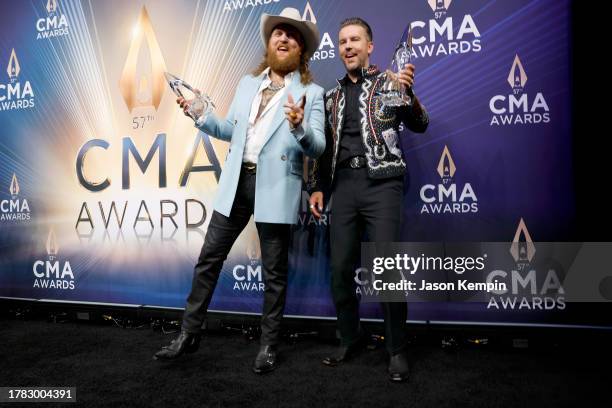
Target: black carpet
column 113, row 367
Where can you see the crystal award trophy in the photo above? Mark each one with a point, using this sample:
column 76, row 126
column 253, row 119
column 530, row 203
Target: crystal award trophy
column 200, row 104
column 393, row 93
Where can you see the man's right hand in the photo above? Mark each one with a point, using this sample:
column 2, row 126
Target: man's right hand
column 185, row 104
column 316, row 203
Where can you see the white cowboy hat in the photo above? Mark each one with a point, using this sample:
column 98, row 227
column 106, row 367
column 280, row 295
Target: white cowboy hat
column 291, row 16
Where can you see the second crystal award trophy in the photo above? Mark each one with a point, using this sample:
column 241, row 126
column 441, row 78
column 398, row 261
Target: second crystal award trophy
column 393, row 93
column 200, row 104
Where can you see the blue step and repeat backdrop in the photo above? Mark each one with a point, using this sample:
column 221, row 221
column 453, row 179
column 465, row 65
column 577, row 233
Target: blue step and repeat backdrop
column 106, row 188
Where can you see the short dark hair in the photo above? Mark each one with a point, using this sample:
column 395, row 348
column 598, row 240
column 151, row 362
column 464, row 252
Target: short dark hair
column 357, row 21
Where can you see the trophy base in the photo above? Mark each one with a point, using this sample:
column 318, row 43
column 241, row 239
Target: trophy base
column 395, row 99
column 198, row 108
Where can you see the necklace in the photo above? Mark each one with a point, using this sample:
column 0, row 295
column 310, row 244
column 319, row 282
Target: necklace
column 275, row 88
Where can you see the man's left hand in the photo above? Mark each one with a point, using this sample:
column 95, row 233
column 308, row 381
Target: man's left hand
column 406, row 76
column 294, row 112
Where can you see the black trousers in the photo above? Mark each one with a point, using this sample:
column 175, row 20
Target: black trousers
column 361, row 204
column 221, row 235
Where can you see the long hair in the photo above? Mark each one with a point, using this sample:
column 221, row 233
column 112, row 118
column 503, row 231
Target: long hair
column 305, row 74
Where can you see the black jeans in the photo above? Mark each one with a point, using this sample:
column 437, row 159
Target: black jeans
column 221, row 235
column 361, row 204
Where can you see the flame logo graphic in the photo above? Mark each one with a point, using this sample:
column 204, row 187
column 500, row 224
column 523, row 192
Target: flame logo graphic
column 446, row 166
column 522, row 250
column 136, row 91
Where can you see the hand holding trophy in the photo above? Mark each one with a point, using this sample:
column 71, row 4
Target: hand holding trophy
column 393, row 92
column 200, row 104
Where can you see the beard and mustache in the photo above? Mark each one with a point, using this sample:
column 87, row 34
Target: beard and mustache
column 283, row 66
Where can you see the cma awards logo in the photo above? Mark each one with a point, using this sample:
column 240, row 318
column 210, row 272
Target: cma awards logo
column 518, row 108
column 143, row 90
column 15, row 209
column 440, row 36
column 53, row 273
column 54, row 24
column 529, row 290
column 248, row 277
column 15, row 94
column 327, row 49
column 139, row 88
column 448, row 197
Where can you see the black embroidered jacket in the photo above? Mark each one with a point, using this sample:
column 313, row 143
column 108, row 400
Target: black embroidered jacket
column 379, row 131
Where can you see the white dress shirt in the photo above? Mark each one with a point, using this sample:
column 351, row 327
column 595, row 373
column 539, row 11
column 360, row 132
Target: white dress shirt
column 257, row 129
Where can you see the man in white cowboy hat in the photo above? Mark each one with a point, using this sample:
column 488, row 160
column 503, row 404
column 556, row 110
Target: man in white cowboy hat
column 276, row 117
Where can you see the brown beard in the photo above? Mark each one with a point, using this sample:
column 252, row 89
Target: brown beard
column 283, row 67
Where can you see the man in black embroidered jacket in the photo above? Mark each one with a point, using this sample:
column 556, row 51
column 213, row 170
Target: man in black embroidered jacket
column 363, row 169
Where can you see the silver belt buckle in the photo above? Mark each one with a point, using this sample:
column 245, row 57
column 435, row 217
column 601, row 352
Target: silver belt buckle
column 354, row 163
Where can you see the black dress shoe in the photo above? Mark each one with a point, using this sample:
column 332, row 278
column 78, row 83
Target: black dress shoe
column 345, row 353
column 398, row 367
column 265, row 360
column 184, row 343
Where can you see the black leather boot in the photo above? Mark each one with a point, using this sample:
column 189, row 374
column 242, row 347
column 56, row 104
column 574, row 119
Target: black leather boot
column 184, row 343
column 265, row 360
column 345, row 353
column 398, row 367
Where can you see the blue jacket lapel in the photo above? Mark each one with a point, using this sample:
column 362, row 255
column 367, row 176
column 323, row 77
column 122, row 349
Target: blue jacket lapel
column 251, row 92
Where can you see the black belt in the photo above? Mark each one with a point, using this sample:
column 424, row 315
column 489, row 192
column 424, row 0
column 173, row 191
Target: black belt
column 355, row 162
column 249, row 167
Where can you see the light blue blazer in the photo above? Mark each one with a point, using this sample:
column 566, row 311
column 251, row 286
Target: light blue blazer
column 280, row 163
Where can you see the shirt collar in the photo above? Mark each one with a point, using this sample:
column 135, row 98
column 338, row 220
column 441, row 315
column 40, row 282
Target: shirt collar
column 364, row 73
column 265, row 74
